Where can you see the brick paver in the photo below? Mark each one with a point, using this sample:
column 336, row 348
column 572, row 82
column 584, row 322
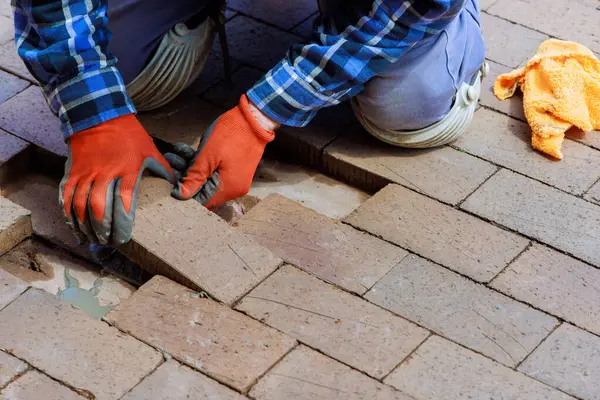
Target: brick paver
column 569, row 360
column 11, row 287
column 342, row 326
column 5, row 8
column 15, row 224
column 10, row 85
column 436, row 231
column 461, row 310
column 14, row 157
column 547, row 214
column 441, row 370
column 287, row 14
column 35, row 385
column 327, row 248
column 10, row 367
column 512, row 106
column 10, row 61
column 593, row 194
column 224, row 344
column 306, row 375
column 228, row 96
column 72, row 347
column 7, row 31
column 173, row 381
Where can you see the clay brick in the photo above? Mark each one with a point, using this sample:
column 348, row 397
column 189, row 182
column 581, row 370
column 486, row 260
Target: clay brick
column 11, row 62
column 447, row 236
column 338, row 324
column 441, row 370
column 512, row 106
column 485, row 4
column 566, row 222
column 593, row 194
column 228, row 96
column 10, row 367
column 193, row 245
column 173, row 381
column 281, row 13
column 461, row 310
column 34, row 385
column 11, row 287
column 305, row 375
column 72, row 347
column 507, row 142
column 14, row 157
column 335, row 252
column 7, row 30
column 568, row 360
column 210, row 337
column 15, row 224
column 10, row 85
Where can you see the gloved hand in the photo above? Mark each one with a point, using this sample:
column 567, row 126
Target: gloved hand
column 102, row 175
column 223, row 166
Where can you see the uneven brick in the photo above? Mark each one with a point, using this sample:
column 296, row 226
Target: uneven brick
column 34, row 385
column 14, row 157
column 568, row 360
column 10, row 85
column 194, row 246
column 281, row 13
column 11, row 287
column 447, row 236
column 70, row 346
column 593, row 194
column 443, row 173
column 547, row 214
column 512, row 106
column 173, row 381
column 15, row 224
column 329, row 249
column 10, row 367
column 306, row 374
column 11, row 62
column 461, row 310
column 340, row 325
column 507, row 142
column 441, row 370
column 224, row 344
column 228, row 95
column 555, row 283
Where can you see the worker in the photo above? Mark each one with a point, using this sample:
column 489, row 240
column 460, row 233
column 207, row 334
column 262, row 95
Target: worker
column 411, row 69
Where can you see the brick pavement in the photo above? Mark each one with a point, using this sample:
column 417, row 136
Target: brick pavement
column 473, row 275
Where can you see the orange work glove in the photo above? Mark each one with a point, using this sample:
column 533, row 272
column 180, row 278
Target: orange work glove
column 223, row 166
column 102, row 175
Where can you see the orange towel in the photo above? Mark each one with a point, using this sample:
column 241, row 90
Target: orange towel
column 561, row 89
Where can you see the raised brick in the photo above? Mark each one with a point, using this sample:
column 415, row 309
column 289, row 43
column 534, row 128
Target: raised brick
column 281, row 13
column 447, row 236
column 194, row 246
column 10, row 367
column 70, row 346
column 11, row 287
column 15, row 224
column 173, row 381
column 34, row 385
column 512, row 106
column 14, row 157
column 208, row 336
column 10, row 85
column 461, row 310
column 507, row 142
column 10, row 61
column 441, row 370
column 340, row 325
column 306, row 374
column 568, row 360
column 329, row 249
column 547, row 214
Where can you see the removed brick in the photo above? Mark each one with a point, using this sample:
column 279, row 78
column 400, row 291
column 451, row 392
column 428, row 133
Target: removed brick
column 15, row 224
column 10, row 368
column 34, row 385
column 11, row 287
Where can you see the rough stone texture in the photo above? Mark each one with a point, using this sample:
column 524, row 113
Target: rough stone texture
column 11, row 287
column 184, row 239
column 593, row 194
column 228, row 96
column 71, row 347
column 443, row 173
column 568, row 360
column 10, row 367
column 14, row 157
column 454, row 239
column 224, row 344
column 512, row 106
column 43, row 130
column 547, row 214
column 10, row 85
column 329, row 249
column 281, row 13
column 468, row 313
column 11, row 62
column 173, row 381
column 441, row 370
column 507, row 142
column 34, row 385
column 15, row 224
column 340, row 325
column 306, row 375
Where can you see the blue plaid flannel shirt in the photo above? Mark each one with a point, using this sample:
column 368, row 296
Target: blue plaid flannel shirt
column 64, row 45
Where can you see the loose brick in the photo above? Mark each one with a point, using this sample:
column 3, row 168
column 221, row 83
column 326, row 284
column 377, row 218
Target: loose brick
column 507, row 142
column 72, row 347
column 547, row 214
column 285, row 14
column 568, row 360
column 34, row 385
column 10, row 85
column 512, row 106
column 224, row 344
column 443, row 173
column 10, row 367
column 195, row 246
column 11, row 287
column 593, row 194
column 447, row 236
column 173, row 381
column 14, row 157
column 15, row 224
column 306, row 374
column 329, row 249
column 11, row 62
column 441, row 370
column 468, row 313
column 340, row 325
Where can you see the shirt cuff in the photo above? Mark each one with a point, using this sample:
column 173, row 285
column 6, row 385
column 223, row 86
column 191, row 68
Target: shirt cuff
column 89, row 99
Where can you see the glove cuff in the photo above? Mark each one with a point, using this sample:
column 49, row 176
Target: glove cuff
column 259, row 131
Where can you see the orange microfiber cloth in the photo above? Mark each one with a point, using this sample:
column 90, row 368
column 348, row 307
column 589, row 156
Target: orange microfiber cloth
column 561, row 89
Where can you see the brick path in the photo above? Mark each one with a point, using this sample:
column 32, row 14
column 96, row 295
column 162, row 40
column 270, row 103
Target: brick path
column 469, row 271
